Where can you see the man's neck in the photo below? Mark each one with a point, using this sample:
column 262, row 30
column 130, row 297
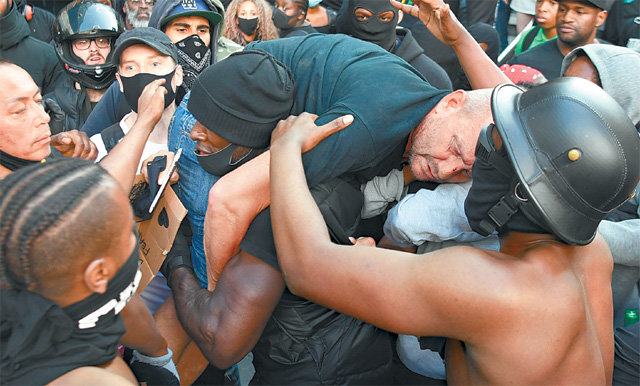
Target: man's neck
column 566, row 48
column 550, row 33
column 95, row 95
column 518, row 243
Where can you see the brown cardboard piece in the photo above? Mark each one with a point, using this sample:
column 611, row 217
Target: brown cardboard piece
column 158, row 233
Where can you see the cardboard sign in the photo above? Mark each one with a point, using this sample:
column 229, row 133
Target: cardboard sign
column 158, row 233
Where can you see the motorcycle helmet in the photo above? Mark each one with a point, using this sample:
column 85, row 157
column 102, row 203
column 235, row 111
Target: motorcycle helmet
column 574, row 151
column 86, row 19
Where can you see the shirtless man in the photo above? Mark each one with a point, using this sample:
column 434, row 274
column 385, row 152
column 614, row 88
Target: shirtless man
column 540, row 310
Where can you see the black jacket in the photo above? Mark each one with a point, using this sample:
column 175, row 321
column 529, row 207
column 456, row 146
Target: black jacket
column 410, row 50
column 74, row 103
column 40, row 20
column 37, row 57
column 304, row 343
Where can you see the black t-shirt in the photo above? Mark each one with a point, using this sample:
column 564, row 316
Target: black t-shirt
column 337, row 75
column 545, row 58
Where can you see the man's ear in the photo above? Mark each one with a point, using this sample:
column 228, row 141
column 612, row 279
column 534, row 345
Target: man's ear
column 98, row 273
column 601, row 17
column 452, row 102
column 177, row 78
column 120, row 83
column 484, row 46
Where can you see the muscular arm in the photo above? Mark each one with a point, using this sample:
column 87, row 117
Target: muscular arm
column 234, row 201
column 227, row 323
column 400, row 292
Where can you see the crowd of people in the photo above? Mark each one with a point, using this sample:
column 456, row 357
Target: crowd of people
column 370, row 198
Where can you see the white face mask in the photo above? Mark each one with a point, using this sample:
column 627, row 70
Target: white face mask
column 314, row 3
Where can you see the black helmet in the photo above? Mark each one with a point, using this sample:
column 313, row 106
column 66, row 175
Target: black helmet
column 86, row 19
column 575, row 152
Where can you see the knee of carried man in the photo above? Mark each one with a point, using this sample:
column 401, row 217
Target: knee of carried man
column 220, row 199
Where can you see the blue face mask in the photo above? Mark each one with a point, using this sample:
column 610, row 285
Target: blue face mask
column 314, row 3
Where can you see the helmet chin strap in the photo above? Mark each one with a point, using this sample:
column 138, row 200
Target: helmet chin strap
column 501, row 213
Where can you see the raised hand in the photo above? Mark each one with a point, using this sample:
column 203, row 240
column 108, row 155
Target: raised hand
column 438, row 18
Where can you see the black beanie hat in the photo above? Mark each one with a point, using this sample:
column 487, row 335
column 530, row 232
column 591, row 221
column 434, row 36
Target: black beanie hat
column 243, row 97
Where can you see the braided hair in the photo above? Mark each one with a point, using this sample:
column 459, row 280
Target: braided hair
column 37, row 222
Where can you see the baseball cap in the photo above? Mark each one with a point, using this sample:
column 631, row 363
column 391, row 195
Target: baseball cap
column 602, row 4
column 192, row 8
column 151, row 37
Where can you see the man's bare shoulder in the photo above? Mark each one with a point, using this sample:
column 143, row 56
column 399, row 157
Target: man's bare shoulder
column 90, row 375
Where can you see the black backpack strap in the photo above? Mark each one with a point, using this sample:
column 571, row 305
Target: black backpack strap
column 111, row 136
column 529, row 38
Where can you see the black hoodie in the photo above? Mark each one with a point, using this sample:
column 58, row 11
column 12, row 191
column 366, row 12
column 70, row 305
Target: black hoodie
column 36, row 57
column 409, row 50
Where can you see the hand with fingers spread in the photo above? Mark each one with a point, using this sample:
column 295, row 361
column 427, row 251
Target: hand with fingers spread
column 303, row 131
column 75, row 144
column 174, row 176
column 151, row 102
column 438, row 18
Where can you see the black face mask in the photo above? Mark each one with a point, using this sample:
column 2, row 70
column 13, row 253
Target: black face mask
column 281, row 20
column 496, row 200
column 248, row 26
column 194, row 56
column 373, row 29
column 14, row 163
column 134, row 85
column 220, row 162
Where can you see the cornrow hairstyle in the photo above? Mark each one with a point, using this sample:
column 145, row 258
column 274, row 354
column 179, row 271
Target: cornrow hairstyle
column 35, row 200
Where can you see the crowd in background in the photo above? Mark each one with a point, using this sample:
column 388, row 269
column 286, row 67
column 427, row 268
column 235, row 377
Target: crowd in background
column 126, row 83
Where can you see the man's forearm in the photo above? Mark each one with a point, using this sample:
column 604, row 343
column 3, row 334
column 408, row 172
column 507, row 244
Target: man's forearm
column 481, row 71
column 142, row 333
column 198, row 313
column 122, row 161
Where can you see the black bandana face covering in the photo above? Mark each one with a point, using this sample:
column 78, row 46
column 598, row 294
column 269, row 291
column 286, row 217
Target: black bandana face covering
column 220, row 163
column 373, row 29
column 134, row 85
column 14, row 163
column 101, row 309
column 248, row 26
column 194, row 56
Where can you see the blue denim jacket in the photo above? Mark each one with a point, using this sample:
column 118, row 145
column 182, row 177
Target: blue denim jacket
column 194, row 184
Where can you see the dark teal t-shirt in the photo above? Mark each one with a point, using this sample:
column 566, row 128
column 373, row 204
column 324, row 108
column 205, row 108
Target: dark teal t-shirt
column 336, row 75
